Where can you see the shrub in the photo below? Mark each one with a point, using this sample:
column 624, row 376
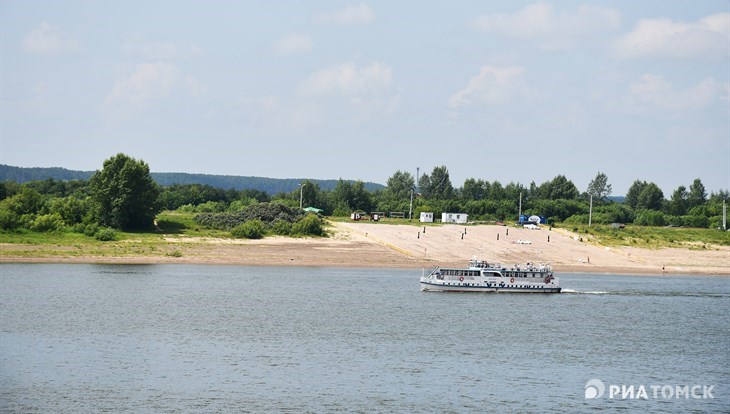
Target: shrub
column 281, row 227
column 8, row 219
column 650, row 218
column 105, row 234
column 91, row 229
column 252, row 229
column 47, row 222
column 310, row 225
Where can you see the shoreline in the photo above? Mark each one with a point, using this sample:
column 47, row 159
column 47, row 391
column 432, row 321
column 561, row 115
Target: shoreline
column 367, row 245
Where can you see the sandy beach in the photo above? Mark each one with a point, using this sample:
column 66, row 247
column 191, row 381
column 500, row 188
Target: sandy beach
column 364, row 244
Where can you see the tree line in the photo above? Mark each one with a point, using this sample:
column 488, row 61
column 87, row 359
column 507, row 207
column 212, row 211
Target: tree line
column 123, row 195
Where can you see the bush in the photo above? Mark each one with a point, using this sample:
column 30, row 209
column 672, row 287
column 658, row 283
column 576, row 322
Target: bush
column 650, row 218
column 252, row 229
column 105, row 234
column 8, row 219
column 310, row 225
column 281, row 227
column 91, row 229
column 47, row 222
column 263, row 212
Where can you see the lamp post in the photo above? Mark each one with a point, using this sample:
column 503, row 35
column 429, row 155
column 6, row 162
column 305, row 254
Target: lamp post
column 301, row 194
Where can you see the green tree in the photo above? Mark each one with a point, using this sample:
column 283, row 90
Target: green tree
column 599, row 188
column 351, row 196
column 632, row 196
column 438, row 185
column 678, row 202
column 697, row 194
column 126, row 195
column 474, row 189
column 559, row 188
column 651, row 198
column 400, row 185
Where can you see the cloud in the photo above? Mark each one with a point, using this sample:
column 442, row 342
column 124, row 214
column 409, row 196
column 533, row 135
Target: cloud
column 662, row 37
column 654, row 92
column 493, row 85
column 159, row 50
column 554, row 30
column 360, row 14
column 349, row 80
column 45, row 40
column 292, row 44
column 148, row 83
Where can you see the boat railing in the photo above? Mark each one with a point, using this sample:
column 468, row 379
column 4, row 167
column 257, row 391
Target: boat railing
column 432, row 270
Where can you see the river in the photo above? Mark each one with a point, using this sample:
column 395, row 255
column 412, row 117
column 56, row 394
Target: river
column 188, row 338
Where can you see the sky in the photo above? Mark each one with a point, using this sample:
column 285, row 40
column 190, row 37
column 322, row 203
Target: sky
column 516, row 91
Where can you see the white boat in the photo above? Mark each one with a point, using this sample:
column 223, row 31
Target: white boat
column 481, row 276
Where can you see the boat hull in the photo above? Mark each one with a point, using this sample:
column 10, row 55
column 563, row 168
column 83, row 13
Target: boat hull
column 436, row 287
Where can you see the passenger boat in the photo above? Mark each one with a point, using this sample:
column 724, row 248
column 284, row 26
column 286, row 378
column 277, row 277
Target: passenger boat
column 481, row 276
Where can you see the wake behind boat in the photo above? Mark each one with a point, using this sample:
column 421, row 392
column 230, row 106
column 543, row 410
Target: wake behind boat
column 481, row 276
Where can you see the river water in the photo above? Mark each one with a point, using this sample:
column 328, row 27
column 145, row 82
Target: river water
column 169, row 338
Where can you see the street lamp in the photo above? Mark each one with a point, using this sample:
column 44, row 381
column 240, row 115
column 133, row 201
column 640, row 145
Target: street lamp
column 301, row 194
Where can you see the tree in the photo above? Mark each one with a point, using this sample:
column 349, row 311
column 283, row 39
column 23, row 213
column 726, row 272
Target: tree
column 678, row 202
column 474, row 189
column 651, row 198
column 599, row 187
column 439, row 185
column 400, row 184
column 559, row 188
column 351, row 196
column 632, row 196
column 697, row 194
column 126, row 195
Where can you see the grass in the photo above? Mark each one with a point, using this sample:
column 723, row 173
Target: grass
column 651, row 237
column 147, row 243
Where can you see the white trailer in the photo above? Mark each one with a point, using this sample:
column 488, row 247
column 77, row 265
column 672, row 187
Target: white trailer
column 460, row 218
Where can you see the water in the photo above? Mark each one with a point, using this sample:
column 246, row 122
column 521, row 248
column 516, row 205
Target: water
column 167, row 338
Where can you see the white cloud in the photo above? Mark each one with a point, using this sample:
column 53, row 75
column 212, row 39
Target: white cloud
column 493, row 85
column 148, row 83
column 351, row 15
column 654, row 92
column 292, row 43
column 554, row 30
column 45, row 40
column 159, row 50
column 662, row 37
column 347, row 79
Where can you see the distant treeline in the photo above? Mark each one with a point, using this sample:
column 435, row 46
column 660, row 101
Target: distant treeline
column 33, row 203
column 269, row 186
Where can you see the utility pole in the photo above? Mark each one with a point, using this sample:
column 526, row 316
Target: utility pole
column 590, row 211
column 724, row 215
column 301, row 194
column 519, row 213
column 410, row 208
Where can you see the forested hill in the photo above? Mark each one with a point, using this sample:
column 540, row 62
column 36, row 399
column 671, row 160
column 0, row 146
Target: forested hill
column 267, row 185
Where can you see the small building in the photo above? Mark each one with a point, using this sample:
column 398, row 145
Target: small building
column 426, row 217
column 377, row 215
column 359, row 215
column 460, row 218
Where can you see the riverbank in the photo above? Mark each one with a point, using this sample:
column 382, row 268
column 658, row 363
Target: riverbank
column 360, row 244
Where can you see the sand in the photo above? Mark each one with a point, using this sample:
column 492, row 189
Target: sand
column 364, row 244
